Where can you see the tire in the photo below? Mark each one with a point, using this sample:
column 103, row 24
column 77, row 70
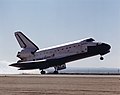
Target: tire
column 101, row 58
column 42, row 72
column 55, row 72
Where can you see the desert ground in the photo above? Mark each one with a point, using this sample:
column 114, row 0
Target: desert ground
column 59, row 85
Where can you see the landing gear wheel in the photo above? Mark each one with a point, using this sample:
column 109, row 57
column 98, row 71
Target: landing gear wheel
column 42, row 72
column 55, row 72
column 101, row 58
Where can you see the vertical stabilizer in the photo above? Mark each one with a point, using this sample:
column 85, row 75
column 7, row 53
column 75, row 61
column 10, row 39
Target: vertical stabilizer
column 25, row 43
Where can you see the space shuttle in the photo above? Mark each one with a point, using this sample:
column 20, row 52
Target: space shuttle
column 31, row 57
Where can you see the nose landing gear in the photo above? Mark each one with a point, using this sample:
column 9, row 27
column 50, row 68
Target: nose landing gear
column 101, row 58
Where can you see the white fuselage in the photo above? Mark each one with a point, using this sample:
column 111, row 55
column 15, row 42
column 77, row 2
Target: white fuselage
column 68, row 49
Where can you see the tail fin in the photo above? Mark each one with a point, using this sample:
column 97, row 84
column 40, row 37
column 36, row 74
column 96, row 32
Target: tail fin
column 24, row 42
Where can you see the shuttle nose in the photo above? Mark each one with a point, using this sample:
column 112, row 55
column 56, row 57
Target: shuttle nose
column 106, row 46
column 103, row 48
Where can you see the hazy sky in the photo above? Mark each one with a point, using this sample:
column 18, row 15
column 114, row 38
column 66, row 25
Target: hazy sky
column 54, row 22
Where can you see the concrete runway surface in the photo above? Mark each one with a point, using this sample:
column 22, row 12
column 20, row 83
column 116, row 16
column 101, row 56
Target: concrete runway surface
column 59, row 85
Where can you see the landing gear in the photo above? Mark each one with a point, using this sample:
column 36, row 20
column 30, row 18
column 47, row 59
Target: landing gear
column 101, row 58
column 43, row 72
column 55, row 72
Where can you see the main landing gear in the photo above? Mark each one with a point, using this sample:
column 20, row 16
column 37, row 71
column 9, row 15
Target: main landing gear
column 43, row 72
column 55, row 72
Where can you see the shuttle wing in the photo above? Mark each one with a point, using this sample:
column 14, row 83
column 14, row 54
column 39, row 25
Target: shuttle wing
column 28, row 64
column 38, row 64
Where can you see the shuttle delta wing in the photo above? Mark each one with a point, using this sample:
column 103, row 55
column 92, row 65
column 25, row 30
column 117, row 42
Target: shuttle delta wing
column 38, row 64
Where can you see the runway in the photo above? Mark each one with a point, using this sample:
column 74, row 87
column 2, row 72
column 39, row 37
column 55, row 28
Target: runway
column 59, row 85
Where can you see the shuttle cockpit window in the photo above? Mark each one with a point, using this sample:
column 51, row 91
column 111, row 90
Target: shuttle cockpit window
column 90, row 40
